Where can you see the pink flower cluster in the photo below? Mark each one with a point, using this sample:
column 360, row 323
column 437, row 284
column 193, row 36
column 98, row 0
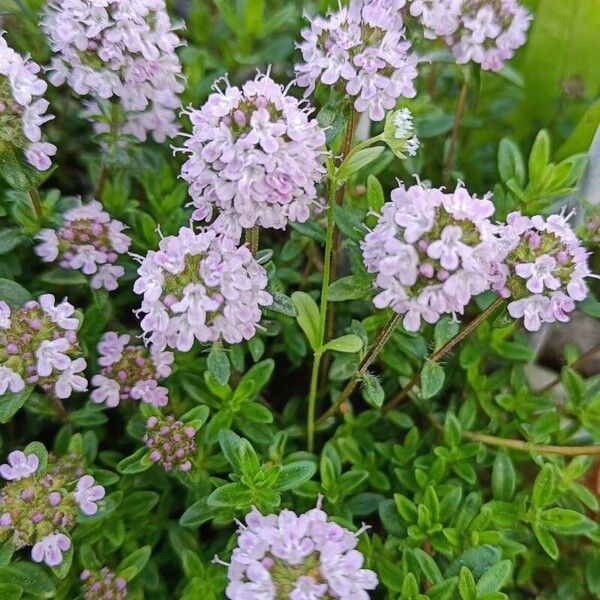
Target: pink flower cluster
column 483, row 31
column 38, row 345
column 297, row 557
column 89, row 241
column 200, row 286
column 170, row 442
column 363, row 48
column 544, row 268
column 130, row 371
column 431, row 251
column 103, row 585
column 38, row 508
column 255, row 156
column 22, row 107
column 123, row 50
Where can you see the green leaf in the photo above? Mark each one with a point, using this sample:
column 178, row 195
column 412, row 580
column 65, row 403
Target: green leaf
column 31, row 577
column 547, row 542
column 466, row 585
column 283, row 304
column 40, row 451
column 60, row 276
column 351, row 287
column 592, row 570
column 349, row 344
column 230, row 495
column 581, row 138
column 372, row 391
column 254, row 380
column 10, row 591
column 503, row 477
column 566, row 521
column 544, row 487
column 445, row 330
column 308, row 317
column 495, row 577
column 10, row 238
column 239, row 453
column 432, row 379
column 452, row 431
column 294, row 475
column 12, row 293
column 539, row 157
column 62, row 570
column 10, row 403
column 218, row 364
column 198, row 514
column 357, row 161
column 375, row 197
column 428, row 566
column 133, row 564
column 136, row 463
column 510, row 162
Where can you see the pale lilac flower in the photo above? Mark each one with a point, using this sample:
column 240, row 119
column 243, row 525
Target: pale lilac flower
column 20, row 466
column 150, row 392
column 200, row 286
column 545, row 268
column 22, row 109
column 170, row 442
column 10, row 380
column 52, row 355
column 69, row 379
column 134, row 60
column 439, row 17
column 431, row 252
column 107, row 391
column 87, row 495
column 50, row 548
column 89, row 241
column 255, row 158
column 362, row 49
column 318, row 557
column 61, row 314
column 4, row 315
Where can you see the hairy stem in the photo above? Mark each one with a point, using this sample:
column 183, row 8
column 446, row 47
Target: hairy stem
column 115, row 120
column 441, row 352
column 460, row 109
column 253, row 238
column 381, row 339
column 36, row 202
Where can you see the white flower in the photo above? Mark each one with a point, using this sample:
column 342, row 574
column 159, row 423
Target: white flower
column 51, row 355
column 20, row 466
column 107, row 391
column 61, row 313
column 69, row 381
column 4, row 315
column 10, row 380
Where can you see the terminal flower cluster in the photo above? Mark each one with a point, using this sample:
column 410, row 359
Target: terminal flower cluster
column 200, row 286
column 431, row 252
column 102, row 585
column 297, row 557
column 39, row 346
column 363, row 49
column 170, row 443
column 255, row 158
column 39, row 506
column 23, row 107
column 90, row 241
column 130, row 371
column 119, row 51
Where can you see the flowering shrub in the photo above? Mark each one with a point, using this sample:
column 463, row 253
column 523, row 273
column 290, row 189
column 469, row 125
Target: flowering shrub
column 297, row 301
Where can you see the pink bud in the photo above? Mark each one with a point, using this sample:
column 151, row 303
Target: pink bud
column 5, row 520
column 186, row 466
column 239, row 117
column 54, row 498
column 85, row 574
column 427, row 270
column 151, row 422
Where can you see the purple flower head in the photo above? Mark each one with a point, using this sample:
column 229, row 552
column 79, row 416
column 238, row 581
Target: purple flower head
column 546, row 268
column 38, row 345
column 483, row 31
column 363, row 49
column 128, row 371
column 302, row 557
column 87, row 494
column 255, row 158
column 431, row 252
column 23, row 108
column 50, row 548
column 124, row 51
column 88, row 241
column 200, row 286
column 171, row 443
column 20, row 466
column 102, row 584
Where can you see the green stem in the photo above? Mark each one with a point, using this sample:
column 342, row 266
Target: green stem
column 115, row 120
column 36, row 202
column 253, row 238
column 312, row 396
column 460, row 109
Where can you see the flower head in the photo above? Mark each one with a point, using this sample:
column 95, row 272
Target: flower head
column 546, row 268
column 102, row 584
column 255, row 157
column 125, row 368
column 38, row 345
column 362, row 48
column 200, row 286
column 89, row 241
column 431, row 252
column 302, row 557
column 124, row 51
column 22, row 107
column 170, row 443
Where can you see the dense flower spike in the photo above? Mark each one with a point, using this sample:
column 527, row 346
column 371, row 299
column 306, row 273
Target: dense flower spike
column 299, row 557
column 483, row 31
column 22, row 107
column 103, row 584
column 200, row 286
column 363, row 47
column 38, row 346
column 124, row 51
column 170, row 442
column 399, row 133
column 90, row 241
column 255, row 158
column 431, row 251
column 544, row 268
column 39, row 506
column 130, row 371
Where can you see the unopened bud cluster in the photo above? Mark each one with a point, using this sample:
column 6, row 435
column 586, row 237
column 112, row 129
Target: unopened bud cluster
column 103, row 585
column 170, row 442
